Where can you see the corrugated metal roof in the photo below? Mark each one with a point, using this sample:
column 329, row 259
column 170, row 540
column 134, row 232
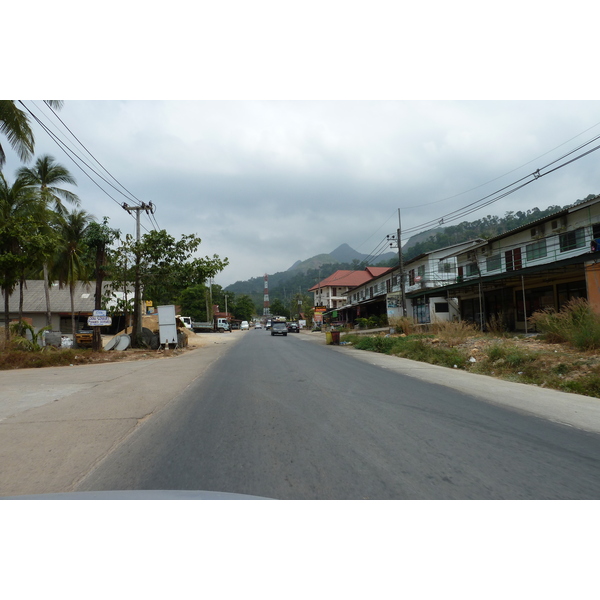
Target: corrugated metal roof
column 34, row 299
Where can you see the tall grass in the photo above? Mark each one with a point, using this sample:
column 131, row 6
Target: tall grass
column 404, row 325
column 576, row 324
column 453, row 333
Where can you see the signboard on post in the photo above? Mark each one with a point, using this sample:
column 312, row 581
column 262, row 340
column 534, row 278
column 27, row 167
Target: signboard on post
column 99, row 321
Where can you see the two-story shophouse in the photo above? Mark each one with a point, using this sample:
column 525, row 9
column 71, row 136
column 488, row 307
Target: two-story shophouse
column 424, row 276
column 537, row 266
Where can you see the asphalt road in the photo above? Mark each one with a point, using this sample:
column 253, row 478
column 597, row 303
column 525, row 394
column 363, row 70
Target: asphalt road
column 282, row 417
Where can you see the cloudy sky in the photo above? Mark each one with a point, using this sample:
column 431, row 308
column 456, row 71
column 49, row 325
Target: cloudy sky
column 265, row 183
column 291, row 141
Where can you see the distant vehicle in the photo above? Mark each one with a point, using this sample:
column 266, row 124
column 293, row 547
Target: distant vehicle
column 84, row 338
column 279, row 329
column 293, row 327
column 245, row 326
column 258, row 325
column 219, row 324
column 187, row 321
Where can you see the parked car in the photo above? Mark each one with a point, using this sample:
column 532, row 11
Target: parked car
column 279, row 329
column 293, row 327
column 258, row 326
column 245, row 326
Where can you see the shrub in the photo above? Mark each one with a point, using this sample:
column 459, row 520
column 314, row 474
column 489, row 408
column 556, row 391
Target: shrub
column 497, row 324
column 576, row 323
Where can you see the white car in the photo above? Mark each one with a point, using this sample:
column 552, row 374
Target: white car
column 258, row 326
column 245, row 326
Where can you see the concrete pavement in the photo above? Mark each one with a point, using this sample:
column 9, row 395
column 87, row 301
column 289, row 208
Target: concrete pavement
column 57, row 423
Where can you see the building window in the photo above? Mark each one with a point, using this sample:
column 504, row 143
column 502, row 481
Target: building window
column 441, row 307
column 411, row 277
column 513, row 259
column 445, row 267
column 493, row 263
column 421, row 271
column 472, row 270
column 536, row 250
column 572, row 239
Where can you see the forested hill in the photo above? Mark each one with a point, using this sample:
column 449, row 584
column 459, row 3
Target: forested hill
column 284, row 285
column 487, row 227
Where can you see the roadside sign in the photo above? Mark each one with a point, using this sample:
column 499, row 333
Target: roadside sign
column 99, row 321
column 99, row 313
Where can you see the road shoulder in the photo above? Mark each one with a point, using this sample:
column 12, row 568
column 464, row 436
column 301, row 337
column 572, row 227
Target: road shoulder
column 63, row 421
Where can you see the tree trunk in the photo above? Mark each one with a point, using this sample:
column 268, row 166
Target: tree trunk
column 21, row 330
column 73, row 328
column 97, row 339
column 6, row 314
column 47, row 293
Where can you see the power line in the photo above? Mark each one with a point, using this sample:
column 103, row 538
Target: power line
column 75, row 158
column 507, row 190
column 131, row 195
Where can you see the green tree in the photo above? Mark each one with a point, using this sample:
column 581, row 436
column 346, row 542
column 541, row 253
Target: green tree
column 167, row 266
column 69, row 262
column 45, row 176
column 14, row 124
column 243, row 308
column 193, row 302
column 279, row 309
column 21, row 213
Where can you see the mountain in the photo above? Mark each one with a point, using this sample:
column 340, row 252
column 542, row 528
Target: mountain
column 304, row 274
column 342, row 254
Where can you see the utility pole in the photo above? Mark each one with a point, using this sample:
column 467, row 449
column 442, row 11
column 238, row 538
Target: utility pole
column 137, row 313
column 398, row 239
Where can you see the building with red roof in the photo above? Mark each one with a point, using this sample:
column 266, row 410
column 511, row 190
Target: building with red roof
column 330, row 291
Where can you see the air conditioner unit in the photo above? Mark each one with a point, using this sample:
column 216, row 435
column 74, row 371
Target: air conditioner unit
column 537, row 231
column 558, row 224
column 484, row 250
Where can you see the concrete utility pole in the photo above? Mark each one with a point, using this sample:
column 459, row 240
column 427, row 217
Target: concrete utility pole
column 137, row 313
column 398, row 239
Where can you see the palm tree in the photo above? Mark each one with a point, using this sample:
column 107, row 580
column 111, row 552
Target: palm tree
column 14, row 124
column 45, row 175
column 69, row 262
column 21, row 213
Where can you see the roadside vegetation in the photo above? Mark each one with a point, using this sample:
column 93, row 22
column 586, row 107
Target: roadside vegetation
column 561, row 354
